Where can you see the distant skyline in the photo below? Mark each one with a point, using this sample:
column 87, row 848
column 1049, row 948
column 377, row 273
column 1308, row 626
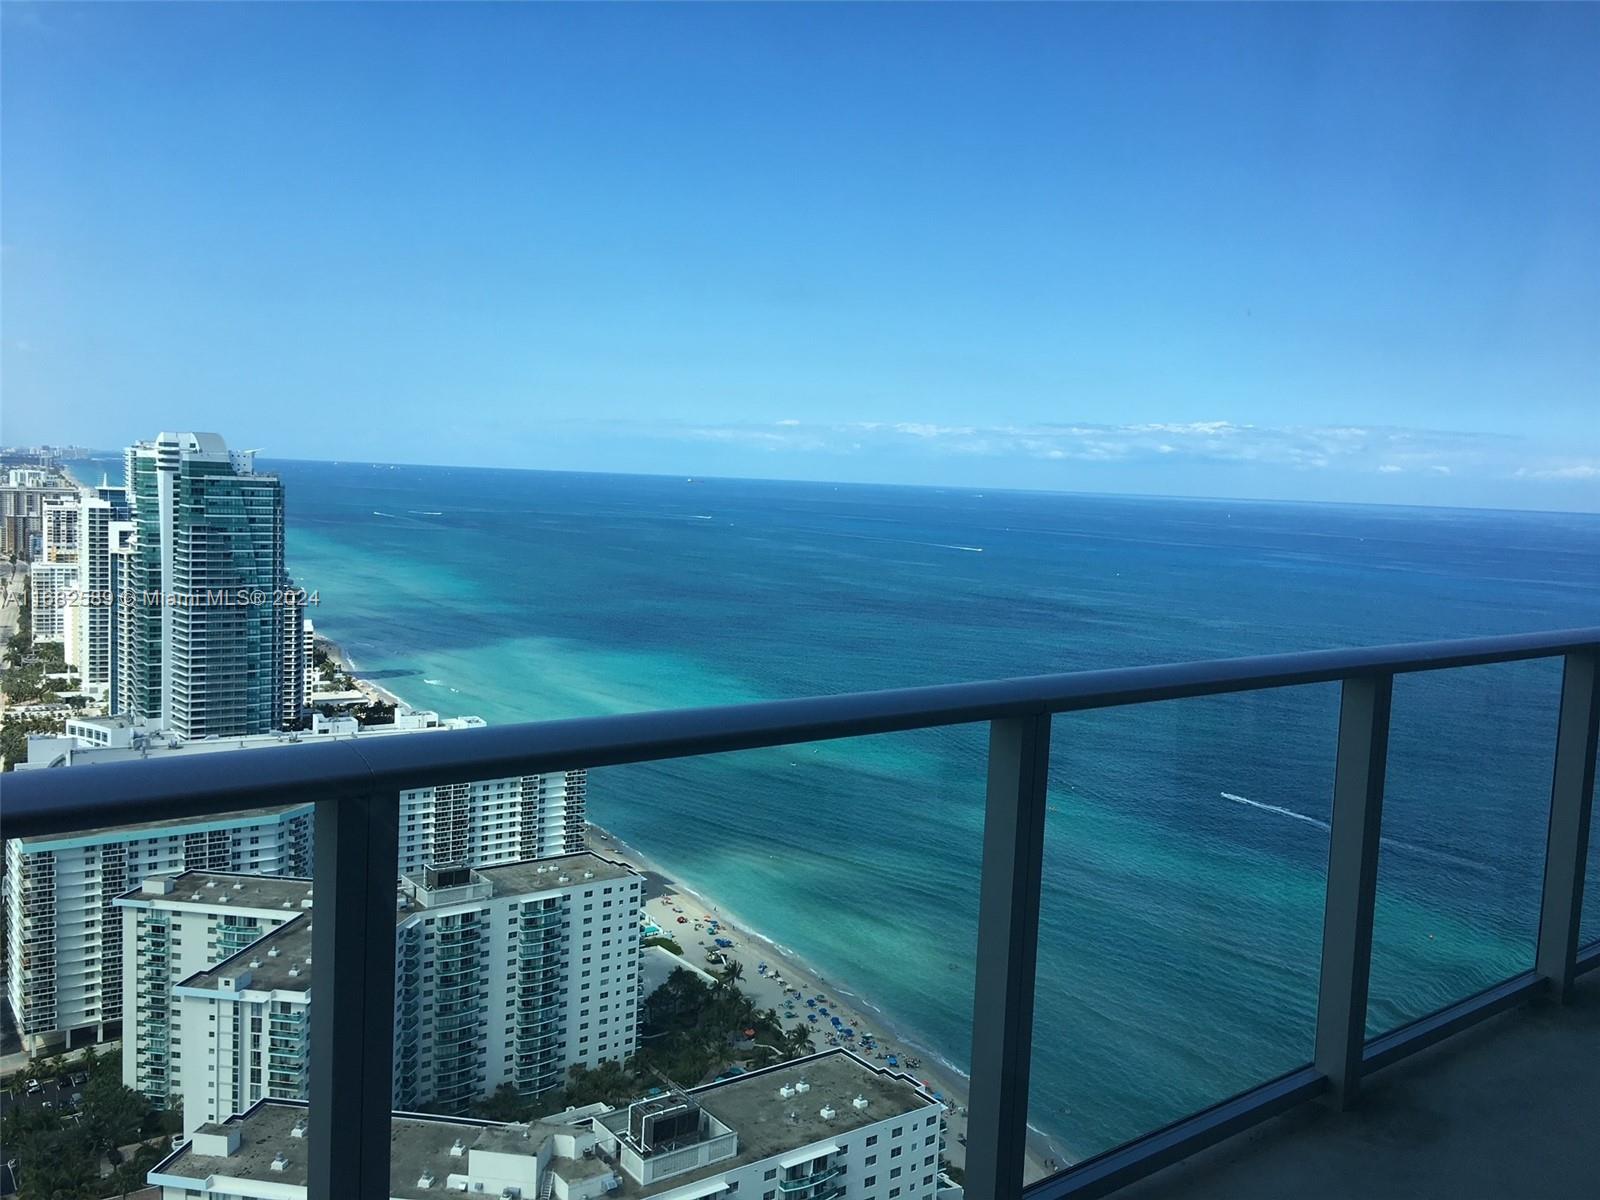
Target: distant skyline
column 1304, row 252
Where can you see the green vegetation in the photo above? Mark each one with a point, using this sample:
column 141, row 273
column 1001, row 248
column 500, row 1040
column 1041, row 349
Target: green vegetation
column 65, row 1155
column 24, row 682
column 690, row 1031
column 665, row 942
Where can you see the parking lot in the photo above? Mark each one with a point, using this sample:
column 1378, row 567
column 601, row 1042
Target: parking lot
column 63, row 1096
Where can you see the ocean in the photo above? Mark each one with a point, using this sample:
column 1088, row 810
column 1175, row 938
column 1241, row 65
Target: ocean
column 1186, row 842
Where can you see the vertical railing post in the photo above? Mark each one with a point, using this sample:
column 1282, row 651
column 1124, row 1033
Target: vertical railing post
column 1571, row 801
column 1008, row 945
column 1352, row 882
column 352, row 1012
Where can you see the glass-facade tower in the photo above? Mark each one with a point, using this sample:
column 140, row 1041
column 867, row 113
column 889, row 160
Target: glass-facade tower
column 206, row 574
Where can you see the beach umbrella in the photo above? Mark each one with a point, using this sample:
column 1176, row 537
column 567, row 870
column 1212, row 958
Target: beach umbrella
column 811, row 1016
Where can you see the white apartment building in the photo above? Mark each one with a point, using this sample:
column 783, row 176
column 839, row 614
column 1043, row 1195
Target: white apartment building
column 480, row 823
column 827, row 1127
column 104, row 531
column 177, row 926
column 63, row 933
column 506, row 975
column 50, row 588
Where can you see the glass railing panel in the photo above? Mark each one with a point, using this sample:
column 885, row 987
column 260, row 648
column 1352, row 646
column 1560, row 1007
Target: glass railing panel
column 1465, row 817
column 1185, row 860
column 857, row 888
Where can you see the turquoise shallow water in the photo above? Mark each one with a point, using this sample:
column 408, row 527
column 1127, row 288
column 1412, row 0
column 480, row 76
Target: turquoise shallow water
column 1186, row 841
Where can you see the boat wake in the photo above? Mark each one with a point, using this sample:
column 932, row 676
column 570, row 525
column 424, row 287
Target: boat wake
column 1273, row 808
column 1393, row 843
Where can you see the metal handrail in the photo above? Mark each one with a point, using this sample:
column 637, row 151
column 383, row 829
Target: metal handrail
column 355, row 784
column 57, row 801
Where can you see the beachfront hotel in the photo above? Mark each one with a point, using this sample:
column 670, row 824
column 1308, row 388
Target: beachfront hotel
column 63, row 932
column 826, row 1127
column 506, row 975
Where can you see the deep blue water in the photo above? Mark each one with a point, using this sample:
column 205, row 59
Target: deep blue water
column 1181, row 928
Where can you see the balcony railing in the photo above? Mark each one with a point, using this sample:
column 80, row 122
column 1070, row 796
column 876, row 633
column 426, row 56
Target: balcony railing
column 355, row 790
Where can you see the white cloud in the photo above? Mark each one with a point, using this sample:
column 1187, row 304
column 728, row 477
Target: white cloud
column 1381, row 450
column 1582, row 470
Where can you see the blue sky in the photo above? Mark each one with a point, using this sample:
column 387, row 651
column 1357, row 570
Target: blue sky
column 1301, row 250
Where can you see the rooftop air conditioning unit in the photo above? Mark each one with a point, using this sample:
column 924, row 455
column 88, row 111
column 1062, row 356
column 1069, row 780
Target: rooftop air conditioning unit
column 859, row 1103
column 828, row 1112
column 279, row 1161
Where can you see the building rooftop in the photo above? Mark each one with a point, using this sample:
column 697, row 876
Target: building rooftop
column 768, row 1123
column 418, row 1145
column 205, row 889
column 279, row 961
column 547, row 874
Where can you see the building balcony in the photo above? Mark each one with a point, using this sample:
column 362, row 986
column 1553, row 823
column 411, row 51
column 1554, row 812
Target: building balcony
column 1491, row 1094
column 803, row 1183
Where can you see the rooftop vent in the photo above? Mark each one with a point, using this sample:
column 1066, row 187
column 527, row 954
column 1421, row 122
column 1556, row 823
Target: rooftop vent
column 254, row 962
column 786, row 1091
column 272, row 952
column 859, row 1103
column 222, row 899
column 306, row 903
column 288, row 904
column 828, row 1112
column 211, row 883
column 238, row 887
column 801, row 1085
column 294, row 972
column 196, row 896
column 280, row 1160
column 425, row 1180
column 299, row 1129
column 588, row 874
column 457, row 1148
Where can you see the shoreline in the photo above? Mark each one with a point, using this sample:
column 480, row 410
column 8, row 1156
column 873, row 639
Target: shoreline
column 669, row 896
column 666, row 892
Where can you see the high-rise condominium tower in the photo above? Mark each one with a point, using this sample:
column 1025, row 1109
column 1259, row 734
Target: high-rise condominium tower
column 205, row 647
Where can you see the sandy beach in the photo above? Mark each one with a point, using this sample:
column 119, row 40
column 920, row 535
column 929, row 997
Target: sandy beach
column 667, row 900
